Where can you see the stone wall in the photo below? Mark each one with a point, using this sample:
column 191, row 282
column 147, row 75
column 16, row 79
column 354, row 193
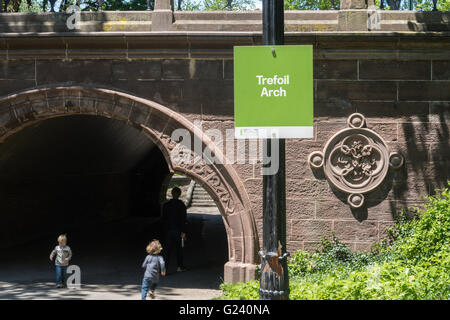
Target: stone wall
column 399, row 81
column 163, row 20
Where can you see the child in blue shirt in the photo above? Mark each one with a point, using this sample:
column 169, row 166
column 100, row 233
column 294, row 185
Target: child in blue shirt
column 154, row 266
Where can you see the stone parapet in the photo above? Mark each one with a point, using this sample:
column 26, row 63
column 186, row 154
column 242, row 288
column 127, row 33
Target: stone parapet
column 165, row 20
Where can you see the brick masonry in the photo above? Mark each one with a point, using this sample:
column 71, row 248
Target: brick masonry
column 401, row 85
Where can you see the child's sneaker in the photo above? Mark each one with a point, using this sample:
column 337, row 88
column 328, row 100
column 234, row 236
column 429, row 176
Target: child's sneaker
column 181, row 269
column 152, row 294
column 59, row 285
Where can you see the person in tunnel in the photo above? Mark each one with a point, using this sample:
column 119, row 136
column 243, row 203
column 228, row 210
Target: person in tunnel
column 63, row 254
column 174, row 224
column 154, row 266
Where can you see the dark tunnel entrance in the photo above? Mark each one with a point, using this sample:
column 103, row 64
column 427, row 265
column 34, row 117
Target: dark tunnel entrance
column 102, row 182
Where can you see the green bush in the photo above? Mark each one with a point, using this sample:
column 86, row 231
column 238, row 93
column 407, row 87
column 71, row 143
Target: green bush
column 241, row 291
column 413, row 263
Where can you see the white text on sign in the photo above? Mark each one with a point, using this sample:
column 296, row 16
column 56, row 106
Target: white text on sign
column 275, row 80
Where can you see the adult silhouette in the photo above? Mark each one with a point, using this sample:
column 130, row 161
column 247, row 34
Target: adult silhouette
column 174, row 227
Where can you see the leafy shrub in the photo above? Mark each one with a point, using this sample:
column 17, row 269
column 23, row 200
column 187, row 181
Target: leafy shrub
column 240, row 291
column 413, row 263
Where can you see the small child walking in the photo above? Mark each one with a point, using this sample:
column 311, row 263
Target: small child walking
column 63, row 255
column 154, row 266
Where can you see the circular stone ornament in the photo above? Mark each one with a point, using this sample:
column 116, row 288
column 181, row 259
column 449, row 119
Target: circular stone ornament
column 315, row 159
column 396, row 160
column 356, row 120
column 355, row 200
column 355, row 160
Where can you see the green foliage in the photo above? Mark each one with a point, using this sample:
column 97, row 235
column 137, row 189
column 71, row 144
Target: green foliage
column 240, row 291
column 331, row 255
column 309, row 4
column 35, row 6
column 414, row 263
column 190, row 5
column 425, row 236
column 126, row 5
column 217, row 5
column 427, row 5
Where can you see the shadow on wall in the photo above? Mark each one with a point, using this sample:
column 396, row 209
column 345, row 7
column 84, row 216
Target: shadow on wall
column 425, row 145
column 430, row 21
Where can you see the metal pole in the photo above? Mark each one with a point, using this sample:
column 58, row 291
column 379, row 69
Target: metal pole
column 274, row 282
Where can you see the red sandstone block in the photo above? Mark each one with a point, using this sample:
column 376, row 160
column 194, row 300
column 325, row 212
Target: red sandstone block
column 238, row 248
column 356, row 231
column 356, row 90
column 335, row 69
column 440, row 152
column 308, row 189
column 325, row 130
column 294, row 246
column 17, row 69
column 419, row 133
column 383, row 210
column 297, row 149
column 298, row 169
column 311, row 246
column 256, row 203
column 219, row 109
column 245, row 171
column 440, row 111
column 10, row 86
column 254, row 186
column 307, row 230
column 163, row 92
column 335, row 110
column 441, row 70
column 299, row 209
column 85, row 71
column 417, row 154
column 333, row 209
column 259, row 226
column 206, row 69
column 388, row 131
column 424, row 90
column 209, row 90
column 394, row 70
column 410, row 189
column 235, row 223
column 222, row 126
column 175, row 69
column 228, row 69
column 139, row 113
column 392, row 111
column 136, row 69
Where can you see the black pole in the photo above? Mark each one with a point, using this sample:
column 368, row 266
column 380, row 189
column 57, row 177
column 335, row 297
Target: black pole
column 274, row 282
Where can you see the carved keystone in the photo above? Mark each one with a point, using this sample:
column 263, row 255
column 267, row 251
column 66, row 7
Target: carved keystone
column 355, row 160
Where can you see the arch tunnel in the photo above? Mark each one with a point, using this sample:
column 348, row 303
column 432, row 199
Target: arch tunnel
column 102, row 182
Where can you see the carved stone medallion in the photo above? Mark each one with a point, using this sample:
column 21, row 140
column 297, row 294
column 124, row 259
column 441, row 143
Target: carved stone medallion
column 355, row 160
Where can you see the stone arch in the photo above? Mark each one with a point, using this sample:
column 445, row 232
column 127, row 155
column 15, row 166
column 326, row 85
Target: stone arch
column 157, row 122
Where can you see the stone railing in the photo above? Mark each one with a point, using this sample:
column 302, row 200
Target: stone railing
column 354, row 16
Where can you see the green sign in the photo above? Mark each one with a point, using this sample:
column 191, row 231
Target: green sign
column 273, row 92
